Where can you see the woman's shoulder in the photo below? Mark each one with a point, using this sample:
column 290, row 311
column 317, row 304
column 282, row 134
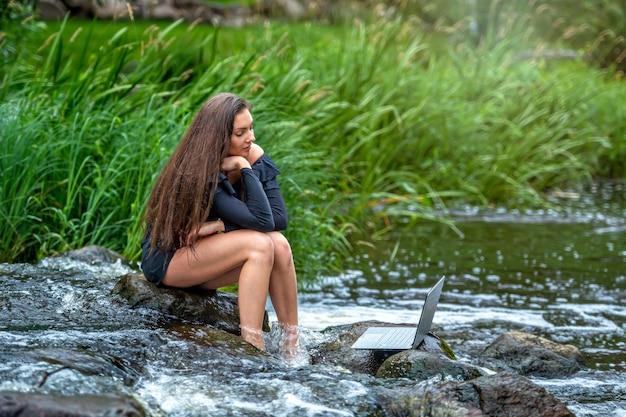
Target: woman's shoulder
column 265, row 168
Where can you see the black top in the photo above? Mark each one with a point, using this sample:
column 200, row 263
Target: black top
column 262, row 209
column 253, row 203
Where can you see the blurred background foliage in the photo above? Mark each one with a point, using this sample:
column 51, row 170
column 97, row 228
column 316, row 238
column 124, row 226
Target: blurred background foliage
column 595, row 28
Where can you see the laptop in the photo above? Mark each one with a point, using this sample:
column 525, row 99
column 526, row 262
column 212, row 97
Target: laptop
column 402, row 337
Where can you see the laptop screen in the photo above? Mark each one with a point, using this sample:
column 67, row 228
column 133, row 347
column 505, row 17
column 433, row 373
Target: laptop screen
column 428, row 312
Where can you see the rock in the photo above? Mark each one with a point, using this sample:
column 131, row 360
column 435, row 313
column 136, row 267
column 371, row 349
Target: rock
column 163, row 12
column 293, row 9
column 532, row 355
column 453, row 388
column 421, row 365
column 190, row 10
column 112, row 9
column 29, row 404
column 508, row 395
column 422, row 400
column 498, row 395
column 87, row 363
column 232, row 347
column 336, row 349
column 217, row 309
column 95, row 255
column 51, row 9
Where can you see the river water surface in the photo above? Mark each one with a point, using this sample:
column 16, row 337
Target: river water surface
column 559, row 274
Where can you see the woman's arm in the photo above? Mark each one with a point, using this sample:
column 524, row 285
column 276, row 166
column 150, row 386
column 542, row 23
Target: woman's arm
column 266, row 170
column 254, row 213
column 279, row 210
column 256, row 152
column 206, row 229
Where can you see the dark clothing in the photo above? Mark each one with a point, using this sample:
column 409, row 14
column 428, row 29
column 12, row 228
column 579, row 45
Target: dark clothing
column 154, row 263
column 261, row 208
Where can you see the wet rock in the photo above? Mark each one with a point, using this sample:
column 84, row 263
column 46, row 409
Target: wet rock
column 232, row 349
column 498, row 395
column 424, row 400
column 532, row 355
column 217, row 309
column 452, row 388
column 336, row 349
column 22, row 404
column 507, row 394
column 421, row 365
column 95, row 255
column 87, row 363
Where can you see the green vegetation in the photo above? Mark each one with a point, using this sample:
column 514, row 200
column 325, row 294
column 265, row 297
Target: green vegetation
column 375, row 126
column 597, row 28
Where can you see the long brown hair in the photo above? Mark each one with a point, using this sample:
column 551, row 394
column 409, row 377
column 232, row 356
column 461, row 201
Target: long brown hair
column 183, row 193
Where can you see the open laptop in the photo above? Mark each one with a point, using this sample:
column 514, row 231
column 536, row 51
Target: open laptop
column 402, row 337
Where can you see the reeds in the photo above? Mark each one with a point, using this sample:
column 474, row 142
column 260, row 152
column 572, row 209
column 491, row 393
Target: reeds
column 373, row 128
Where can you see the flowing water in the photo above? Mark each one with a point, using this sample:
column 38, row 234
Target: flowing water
column 558, row 274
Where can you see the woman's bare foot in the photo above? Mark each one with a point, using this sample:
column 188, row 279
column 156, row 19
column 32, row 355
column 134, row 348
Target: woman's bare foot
column 253, row 336
column 290, row 344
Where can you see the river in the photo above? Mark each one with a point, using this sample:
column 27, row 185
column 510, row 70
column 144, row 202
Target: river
column 560, row 274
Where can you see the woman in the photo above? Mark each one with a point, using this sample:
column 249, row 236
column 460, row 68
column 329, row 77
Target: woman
column 214, row 216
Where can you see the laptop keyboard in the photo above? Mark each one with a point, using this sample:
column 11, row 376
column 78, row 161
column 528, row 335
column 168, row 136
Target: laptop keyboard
column 398, row 337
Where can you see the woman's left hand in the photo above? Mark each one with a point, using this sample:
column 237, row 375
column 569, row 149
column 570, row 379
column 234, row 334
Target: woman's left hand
column 207, row 229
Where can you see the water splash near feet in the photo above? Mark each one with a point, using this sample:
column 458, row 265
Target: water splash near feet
column 284, row 341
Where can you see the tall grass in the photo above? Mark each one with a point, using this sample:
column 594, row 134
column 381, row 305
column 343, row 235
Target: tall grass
column 373, row 128
column 478, row 124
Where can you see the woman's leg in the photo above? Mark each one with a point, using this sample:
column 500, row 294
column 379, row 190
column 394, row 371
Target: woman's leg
column 283, row 289
column 242, row 256
column 283, row 285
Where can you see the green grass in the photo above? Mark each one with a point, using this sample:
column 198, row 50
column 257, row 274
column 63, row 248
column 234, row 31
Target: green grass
column 375, row 126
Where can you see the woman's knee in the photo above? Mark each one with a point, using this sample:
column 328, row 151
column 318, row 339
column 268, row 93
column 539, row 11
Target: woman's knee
column 282, row 248
column 260, row 243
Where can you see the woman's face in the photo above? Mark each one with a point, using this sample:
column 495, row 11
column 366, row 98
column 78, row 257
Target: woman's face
column 243, row 135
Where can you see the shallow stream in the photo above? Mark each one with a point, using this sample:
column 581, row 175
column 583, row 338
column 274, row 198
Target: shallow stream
column 557, row 274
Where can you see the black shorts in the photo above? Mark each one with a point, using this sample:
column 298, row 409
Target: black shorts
column 154, row 262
